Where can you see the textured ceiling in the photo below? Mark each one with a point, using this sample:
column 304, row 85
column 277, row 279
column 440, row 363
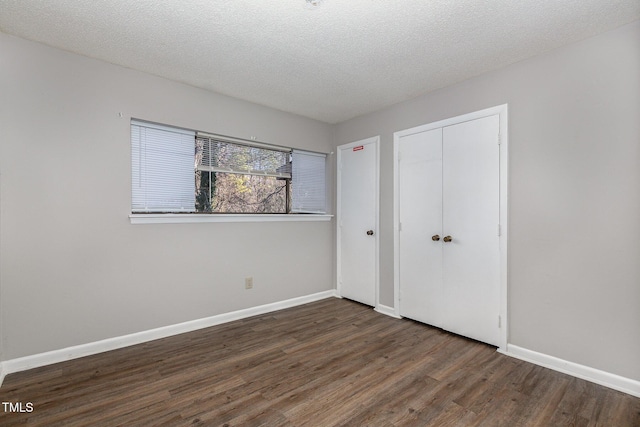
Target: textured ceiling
column 342, row 59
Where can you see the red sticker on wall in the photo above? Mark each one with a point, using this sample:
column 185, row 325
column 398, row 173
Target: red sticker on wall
column 358, row 148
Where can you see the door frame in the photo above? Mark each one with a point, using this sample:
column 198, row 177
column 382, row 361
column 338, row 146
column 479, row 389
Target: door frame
column 503, row 140
column 376, row 141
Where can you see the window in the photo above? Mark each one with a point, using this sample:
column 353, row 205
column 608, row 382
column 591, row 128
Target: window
column 234, row 177
column 161, row 169
column 180, row 171
column 308, row 182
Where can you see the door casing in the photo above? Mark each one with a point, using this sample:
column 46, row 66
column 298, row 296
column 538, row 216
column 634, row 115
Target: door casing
column 501, row 111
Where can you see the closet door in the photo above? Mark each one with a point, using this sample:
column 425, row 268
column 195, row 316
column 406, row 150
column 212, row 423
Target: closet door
column 420, row 208
column 470, row 212
column 448, row 206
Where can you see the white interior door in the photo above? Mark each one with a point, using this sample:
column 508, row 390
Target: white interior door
column 420, row 208
column 448, row 206
column 357, row 233
column 470, row 206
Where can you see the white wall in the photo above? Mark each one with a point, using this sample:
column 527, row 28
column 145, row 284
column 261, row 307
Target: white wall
column 574, row 235
column 73, row 268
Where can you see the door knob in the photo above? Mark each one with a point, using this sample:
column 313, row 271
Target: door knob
column 370, row 233
column 447, row 238
column 435, row 237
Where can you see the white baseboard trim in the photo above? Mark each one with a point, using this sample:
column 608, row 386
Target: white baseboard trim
column 616, row 382
column 385, row 309
column 48, row 358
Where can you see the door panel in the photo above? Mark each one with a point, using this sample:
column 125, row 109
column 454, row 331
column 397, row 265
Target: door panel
column 470, row 215
column 358, row 214
column 420, row 178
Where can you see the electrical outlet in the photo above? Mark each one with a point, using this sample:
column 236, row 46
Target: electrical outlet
column 248, row 283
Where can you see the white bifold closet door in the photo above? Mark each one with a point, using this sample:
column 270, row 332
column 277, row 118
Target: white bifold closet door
column 449, row 180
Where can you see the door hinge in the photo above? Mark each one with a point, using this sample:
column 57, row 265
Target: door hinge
column 499, row 230
column 399, row 226
column 499, row 140
column 399, row 155
column 499, row 321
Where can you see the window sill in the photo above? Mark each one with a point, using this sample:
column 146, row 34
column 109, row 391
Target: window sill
column 191, row 218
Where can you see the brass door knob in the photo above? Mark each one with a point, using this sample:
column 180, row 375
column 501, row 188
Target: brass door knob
column 447, row 238
column 435, row 237
column 370, row 233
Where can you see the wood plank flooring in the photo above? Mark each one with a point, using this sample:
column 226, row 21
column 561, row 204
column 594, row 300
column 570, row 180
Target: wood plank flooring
column 328, row 363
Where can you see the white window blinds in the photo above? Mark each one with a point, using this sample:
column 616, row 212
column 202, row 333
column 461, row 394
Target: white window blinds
column 308, row 182
column 162, row 166
column 216, row 154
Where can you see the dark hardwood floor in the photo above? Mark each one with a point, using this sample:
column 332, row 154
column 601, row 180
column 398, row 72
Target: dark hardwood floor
column 333, row 362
